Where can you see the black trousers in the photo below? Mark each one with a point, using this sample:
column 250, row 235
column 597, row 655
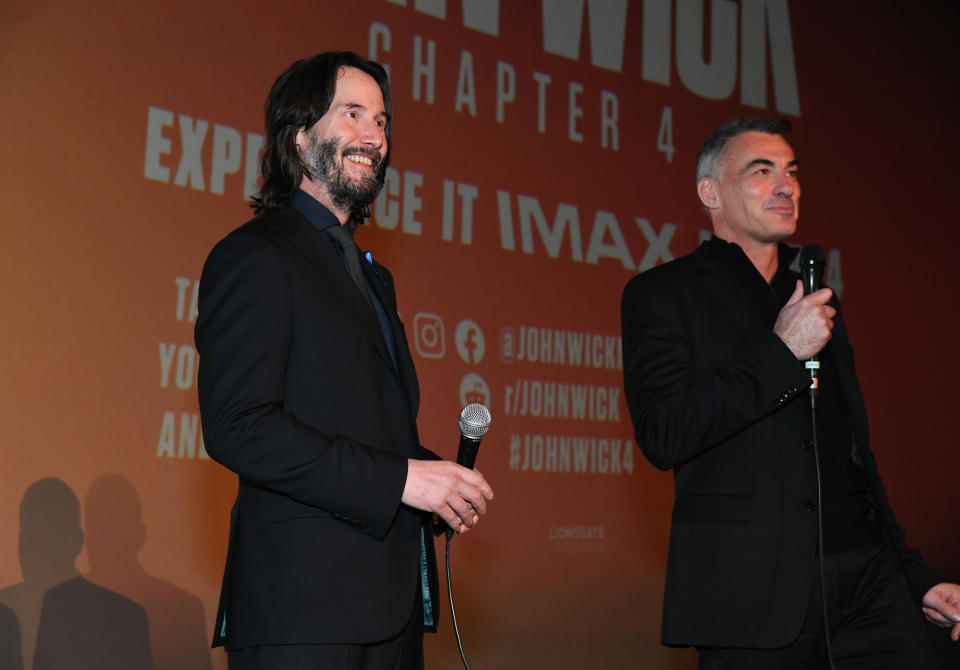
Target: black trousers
column 403, row 652
column 874, row 623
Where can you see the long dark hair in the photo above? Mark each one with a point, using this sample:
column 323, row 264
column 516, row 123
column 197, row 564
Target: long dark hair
column 297, row 100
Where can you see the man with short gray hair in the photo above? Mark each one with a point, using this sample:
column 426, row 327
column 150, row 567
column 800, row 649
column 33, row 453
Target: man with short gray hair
column 784, row 551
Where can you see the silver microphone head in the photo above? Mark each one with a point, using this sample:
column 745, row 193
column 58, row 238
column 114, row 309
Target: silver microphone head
column 474, row 421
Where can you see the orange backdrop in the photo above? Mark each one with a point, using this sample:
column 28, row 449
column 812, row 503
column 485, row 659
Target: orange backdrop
column 543, row 154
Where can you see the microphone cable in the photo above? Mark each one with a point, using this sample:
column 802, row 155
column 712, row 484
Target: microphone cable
column 811, row 268
column 474, row 422
column 820, row 555
column 453, row 612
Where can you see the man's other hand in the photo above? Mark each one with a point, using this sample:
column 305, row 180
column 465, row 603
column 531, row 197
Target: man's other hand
column 941, row 606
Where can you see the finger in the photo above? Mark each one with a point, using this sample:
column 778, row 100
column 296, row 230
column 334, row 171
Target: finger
column 465, row 496
column 822, row 295
column 484, row 486
column 461, row 526
column 476, row 479
column 449, row 517
column 955, row 633
column 797, row 293
column 818, row 298
column 464, row 510
column 471, row 520
column 476, row 493
column 477, row 507
column 935, row 617
column 945, row 604
column 476, row 490
column 477, row 500
column 485, row 489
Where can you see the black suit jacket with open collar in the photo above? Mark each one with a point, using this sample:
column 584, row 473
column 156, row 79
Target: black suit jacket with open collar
column 300, row 397
column 715, row 396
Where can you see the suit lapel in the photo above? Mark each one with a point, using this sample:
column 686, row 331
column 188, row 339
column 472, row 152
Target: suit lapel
column 381, row 282
column 723, row 285
column 330, row 268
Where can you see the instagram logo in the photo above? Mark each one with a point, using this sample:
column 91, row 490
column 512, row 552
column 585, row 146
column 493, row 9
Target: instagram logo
column 428, row 335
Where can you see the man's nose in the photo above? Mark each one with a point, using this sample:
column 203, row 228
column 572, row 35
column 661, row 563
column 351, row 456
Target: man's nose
column 785, row 186
column 372, row 135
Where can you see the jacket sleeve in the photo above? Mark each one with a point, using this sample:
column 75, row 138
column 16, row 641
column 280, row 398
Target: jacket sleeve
column 243, row 334
column 684, row 402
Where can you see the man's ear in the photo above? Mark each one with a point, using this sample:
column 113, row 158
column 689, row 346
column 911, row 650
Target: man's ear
column 707, row 190
column 301, row 141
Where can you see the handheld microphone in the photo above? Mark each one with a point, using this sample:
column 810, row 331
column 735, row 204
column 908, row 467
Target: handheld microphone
column 474, row 423
column 812, row 261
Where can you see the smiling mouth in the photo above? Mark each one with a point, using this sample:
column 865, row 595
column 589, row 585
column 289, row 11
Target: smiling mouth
column 363, row 159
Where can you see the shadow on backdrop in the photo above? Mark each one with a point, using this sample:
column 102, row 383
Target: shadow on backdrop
column 64, row 620
column 11, row 658
column 115, row 535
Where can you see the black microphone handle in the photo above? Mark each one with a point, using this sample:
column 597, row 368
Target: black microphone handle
column 812, row 279
column 467, row 451
column 812, row 262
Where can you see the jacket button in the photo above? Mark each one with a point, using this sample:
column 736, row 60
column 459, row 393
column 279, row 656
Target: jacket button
column 809, row 506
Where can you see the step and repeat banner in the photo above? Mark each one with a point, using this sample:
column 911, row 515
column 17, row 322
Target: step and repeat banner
column 543, row 153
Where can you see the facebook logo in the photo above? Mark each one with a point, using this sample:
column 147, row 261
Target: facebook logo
column 470, row 342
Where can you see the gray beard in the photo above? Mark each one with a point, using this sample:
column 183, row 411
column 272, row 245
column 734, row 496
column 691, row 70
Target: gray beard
column 348, row 195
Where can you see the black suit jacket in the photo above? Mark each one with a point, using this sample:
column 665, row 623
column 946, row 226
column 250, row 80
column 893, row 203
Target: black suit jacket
column 300, row 397
column 715, row 395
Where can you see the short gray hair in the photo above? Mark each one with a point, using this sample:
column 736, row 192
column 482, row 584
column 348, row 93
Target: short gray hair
column 708, row 158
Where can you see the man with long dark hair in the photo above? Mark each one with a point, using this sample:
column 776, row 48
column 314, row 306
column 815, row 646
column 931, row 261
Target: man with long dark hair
column 308, row 392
